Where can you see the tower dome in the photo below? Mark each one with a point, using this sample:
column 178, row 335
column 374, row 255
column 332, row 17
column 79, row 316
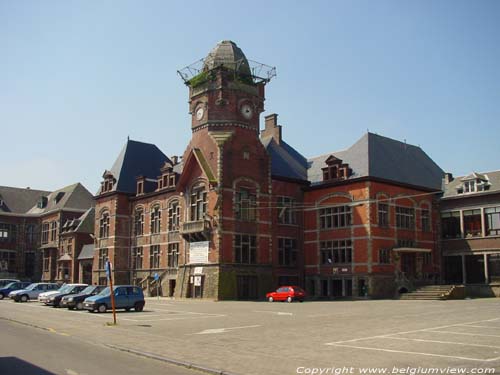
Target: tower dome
column 226, row 53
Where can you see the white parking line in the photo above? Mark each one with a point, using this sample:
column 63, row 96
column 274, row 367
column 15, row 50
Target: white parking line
column 274, row 312
column 180, row 318
column 474, row 326
column 441, row 342
column 465, row 333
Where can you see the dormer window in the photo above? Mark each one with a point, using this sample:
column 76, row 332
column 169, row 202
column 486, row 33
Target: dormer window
column 108, row 183
column 42, row 202
column 335, row 169
column 473, row 183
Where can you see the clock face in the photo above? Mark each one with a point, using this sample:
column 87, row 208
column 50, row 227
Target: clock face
column 199, row 113
column 247, row 111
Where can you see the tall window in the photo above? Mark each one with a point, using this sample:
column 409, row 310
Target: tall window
column 425, row 218
column 7, row 261
column 104, row 225
column 154, row 256
column 155, row 219
column 8, row 232
column 287, row 251
column 450, row 222
column 492, row 220
column 335, row 217
column 384, row 256
column 405, row 217
column 472, row 223
column 139, row 222
column 53, row 231
column 383, row 215
column 245, row 248
column 334, row 252
column 404, row 242
column 30, row 234
column 173, row 255
column 103, row 257
column 45, row 233
column 174, row 214
column 198, row 204
column 137, row 255
column 245, row 205
column 46, row 263
column 287, row 213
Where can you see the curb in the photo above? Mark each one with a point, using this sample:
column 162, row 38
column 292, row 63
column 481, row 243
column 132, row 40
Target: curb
column 157, row 357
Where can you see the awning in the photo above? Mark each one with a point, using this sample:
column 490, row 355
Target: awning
column 64, row 257
column 412, row 250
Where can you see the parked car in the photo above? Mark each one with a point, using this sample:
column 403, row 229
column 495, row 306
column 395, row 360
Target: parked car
column 44, row 297
column 73, row 301
column 126, row 297
column 32, row 291
column 16, row 285
column 287, row 293
column 4, row 282
column 55, row 299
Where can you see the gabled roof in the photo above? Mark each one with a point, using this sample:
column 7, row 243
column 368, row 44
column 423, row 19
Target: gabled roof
column 381, row 157
column 196, row 157
column 136, row 159
column 74, row 197
column 491, row 179
column 18, row 200
column 285, row 160
column 84, row 224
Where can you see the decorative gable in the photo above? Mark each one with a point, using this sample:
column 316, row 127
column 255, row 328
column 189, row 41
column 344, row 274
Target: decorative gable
column 108, row 183
column 473, row 183
column 335, row 169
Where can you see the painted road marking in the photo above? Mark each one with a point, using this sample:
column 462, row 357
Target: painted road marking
column 222, row 330
column 274, row 312
column 465, row 333
column 442, row 342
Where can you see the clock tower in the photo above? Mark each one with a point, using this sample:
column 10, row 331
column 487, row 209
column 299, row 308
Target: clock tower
column 226, row 156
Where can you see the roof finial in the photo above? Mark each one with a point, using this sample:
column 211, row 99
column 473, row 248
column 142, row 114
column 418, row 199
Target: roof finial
column 128, row 138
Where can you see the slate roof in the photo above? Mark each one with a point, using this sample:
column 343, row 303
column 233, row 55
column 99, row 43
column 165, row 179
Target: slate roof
column 377, row 156
column 74, row 196
column 19, row 200
column 84, row 224
column 136, row 159
column 87, row 252
column 228, row 54
column 285, row 160
column 492, row 178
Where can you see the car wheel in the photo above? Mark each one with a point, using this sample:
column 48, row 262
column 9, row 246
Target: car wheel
column 2, row 296
column 24, row 298
column 102, row 308
column 139, row 307
column 289, row 299
column 71, row 308
column 127, row 309
column 270, row 299
column 79, row 306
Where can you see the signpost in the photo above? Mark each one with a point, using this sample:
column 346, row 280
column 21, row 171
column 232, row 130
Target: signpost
column 157, row 279
column 110, row 278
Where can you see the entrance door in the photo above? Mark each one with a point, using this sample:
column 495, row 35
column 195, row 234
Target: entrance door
column 408, row 264
column 337, row 288
column 87, row 273
column 247, row 287
column 171, row 287
column 348, row 287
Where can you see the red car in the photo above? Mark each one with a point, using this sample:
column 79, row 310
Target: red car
column 287, row 293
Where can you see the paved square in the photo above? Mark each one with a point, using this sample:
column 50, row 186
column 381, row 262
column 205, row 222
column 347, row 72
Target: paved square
column 282, row 338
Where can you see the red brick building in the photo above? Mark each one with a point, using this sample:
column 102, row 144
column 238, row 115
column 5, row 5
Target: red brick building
column 242, row 212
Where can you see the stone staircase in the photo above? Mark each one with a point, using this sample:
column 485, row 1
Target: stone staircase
column 431, row 292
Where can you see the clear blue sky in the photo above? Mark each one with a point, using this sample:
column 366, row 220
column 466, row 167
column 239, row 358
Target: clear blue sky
column 78, row 77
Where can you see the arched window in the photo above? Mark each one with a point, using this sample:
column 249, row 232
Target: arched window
column 139, row 222
column 155, row 219
column 198, row 203
column 104, row 225
column 174, row 214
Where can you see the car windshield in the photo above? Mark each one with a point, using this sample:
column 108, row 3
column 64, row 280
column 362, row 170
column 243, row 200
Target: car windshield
column 65, row 288
column 11, row 285
column 31, row 286
column 298, row 289
column 88, row 289
column 105, row 292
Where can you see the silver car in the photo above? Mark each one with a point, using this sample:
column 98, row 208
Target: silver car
column 32, row 291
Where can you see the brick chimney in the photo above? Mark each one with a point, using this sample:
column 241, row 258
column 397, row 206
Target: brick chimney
column 272, row 129
column 448, row 177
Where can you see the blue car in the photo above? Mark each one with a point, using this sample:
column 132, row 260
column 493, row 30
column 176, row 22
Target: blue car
column 126, row 297
column 17, row 285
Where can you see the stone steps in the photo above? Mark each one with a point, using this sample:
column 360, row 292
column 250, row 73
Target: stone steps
column 429, row 292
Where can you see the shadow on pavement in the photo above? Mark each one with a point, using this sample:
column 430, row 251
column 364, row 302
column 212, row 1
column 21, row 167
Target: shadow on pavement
column 16, row 366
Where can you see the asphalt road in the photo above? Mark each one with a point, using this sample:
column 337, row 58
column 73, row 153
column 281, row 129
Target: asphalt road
column 31, row 351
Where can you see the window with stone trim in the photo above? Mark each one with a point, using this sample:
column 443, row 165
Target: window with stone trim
column 103, row 257
column 384, row 256
column 383, row 215
column 198, row 203
column 104, row 225
column 245, row 249
column 8, row 232
column 155, row 219
column 245, row 205
column 154, row 256
column 335, row 217
column 450, row 224
column 336, row 252
column 173, row 255
column 287, row 251
column 287, row 213
column 8, row 261
column 53, row 231
column 139, row 222
column 30, row 234
column 425, row 220
column 405, row 217
column 45, row 233
column 137, row 256
column 472, row 223
column 174, row 214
